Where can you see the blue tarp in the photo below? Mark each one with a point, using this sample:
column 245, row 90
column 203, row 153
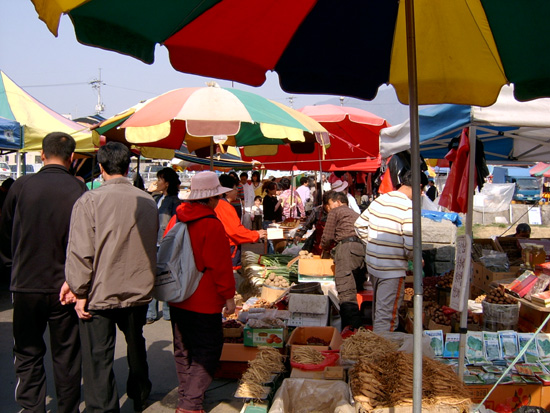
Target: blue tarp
column 440, row 123
column 438, row 216
column 10, row 134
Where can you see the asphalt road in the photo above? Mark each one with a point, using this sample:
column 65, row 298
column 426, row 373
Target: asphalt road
column 163, row 398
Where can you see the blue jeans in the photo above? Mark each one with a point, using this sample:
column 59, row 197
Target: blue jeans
column 270, row 248
column 152, row 311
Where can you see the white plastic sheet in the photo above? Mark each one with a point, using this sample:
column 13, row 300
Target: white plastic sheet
column 307, row 395
column 494, row 198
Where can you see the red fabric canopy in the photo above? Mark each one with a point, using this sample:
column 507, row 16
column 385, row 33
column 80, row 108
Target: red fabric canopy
column 354, row 142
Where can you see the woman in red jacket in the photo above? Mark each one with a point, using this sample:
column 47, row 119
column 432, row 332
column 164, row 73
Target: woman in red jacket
column 235, row 230
column 197, row 321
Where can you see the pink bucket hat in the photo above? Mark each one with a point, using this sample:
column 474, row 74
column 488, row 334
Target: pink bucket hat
column 339, row 186
column 206, row 185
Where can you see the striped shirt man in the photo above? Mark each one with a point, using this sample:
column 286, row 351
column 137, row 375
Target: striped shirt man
column 386, row 228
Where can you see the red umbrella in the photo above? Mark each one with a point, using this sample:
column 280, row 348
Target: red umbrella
column 354, row 142
column 540, row 169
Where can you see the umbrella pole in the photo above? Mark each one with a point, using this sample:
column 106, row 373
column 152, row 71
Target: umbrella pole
column 468, row 231
column 212, row 153
column 320, row 174
column 416, row 201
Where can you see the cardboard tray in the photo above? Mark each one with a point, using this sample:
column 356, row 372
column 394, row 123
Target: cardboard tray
column 316, row 267
column 329, row 334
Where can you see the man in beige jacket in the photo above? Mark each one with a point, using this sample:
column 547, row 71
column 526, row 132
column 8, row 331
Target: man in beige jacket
column 110, row 271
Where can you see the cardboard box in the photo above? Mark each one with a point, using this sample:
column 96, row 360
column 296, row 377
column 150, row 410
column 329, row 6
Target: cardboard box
column 300, row 336
column 490, row 276
column 271, row 337
column 316, row 267
column 509, row 395
column 432, row 325
column 306, row 374
column 477, row 275
column 270, row 293
column 238, row 352
column 308, row 310
column 532, row 316
column 275, row 233
column 480, row 244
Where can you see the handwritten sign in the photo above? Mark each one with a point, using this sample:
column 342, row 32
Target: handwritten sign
column 463, row 272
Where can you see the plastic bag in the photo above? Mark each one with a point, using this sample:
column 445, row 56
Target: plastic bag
column 495, row 261
column 306, row 395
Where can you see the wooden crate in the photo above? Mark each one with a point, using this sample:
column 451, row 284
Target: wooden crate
column 480, row 244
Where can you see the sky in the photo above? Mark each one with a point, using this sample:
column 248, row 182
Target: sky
column 58, row 72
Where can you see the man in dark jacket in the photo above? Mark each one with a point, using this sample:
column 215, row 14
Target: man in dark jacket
column 33, row 239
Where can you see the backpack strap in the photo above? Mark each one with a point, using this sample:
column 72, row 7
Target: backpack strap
column 198, row 219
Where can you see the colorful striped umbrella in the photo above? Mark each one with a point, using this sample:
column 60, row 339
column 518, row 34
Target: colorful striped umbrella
column 228, row 116
column 37, row 119
column 465, row 49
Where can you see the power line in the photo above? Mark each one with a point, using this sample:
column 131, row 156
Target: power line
column 57, row 84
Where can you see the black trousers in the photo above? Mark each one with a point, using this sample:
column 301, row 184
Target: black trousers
column 32, row 312
column 198, row 343
column 98, row 336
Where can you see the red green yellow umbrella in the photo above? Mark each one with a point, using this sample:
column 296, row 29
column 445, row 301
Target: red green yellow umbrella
column 465, row 49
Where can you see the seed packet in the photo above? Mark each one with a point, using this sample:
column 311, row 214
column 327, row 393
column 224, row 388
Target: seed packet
column 508, row 344
column 516, row 379
column 471, row 379
column 474, row 347
column 530, row 379
column 488, row 378
column 452, row 344
column 531, row 355
column 492, row 346
column 543, row 346
column 477, row 370
column 436, row 341
column 524, row 369
column 494, row 369
column 545, row 378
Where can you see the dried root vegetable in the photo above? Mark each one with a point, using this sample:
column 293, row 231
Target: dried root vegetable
column 271, row 358
column 251, row 390
column 307, row 355
column 267, row 361
column 365, row 344
column 388, row 382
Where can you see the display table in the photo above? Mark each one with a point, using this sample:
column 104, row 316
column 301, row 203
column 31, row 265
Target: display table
column 511, row 395
column 531, row 316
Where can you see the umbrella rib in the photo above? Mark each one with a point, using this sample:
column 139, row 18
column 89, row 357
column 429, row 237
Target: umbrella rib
column 351, row 145
column 497, row 59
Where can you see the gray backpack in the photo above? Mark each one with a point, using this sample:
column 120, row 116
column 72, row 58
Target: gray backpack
column 177, row 274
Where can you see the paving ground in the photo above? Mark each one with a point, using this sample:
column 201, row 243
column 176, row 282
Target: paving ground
column 219, row 397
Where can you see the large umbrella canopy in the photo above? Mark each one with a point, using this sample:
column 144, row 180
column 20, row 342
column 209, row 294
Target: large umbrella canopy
column 354, row 142
column 540, row 169
column 37, row 119
column 466, row 49
column 10, row 134
column 511, row 131
column 229, row 116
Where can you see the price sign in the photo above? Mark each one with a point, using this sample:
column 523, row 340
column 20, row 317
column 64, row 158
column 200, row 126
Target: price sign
column 463, row 271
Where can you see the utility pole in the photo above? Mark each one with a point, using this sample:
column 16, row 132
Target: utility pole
column 291, row 101
column 96, row 85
